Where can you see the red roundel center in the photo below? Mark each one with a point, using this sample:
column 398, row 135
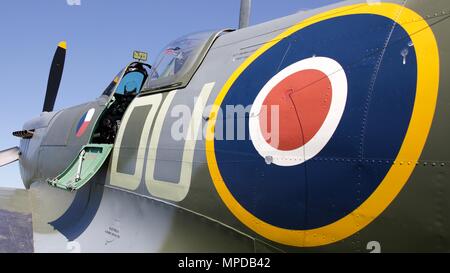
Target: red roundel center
column 303, row 99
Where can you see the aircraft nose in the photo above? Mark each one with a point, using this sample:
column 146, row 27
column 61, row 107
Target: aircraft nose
column 31, row 137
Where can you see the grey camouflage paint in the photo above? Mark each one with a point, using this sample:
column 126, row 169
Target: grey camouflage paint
column 136, row 221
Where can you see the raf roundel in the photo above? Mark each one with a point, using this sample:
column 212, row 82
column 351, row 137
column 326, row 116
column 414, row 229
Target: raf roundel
column 297, row 111
column 347, row 105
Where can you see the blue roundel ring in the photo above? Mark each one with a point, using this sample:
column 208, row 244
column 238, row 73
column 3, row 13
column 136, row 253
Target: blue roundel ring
column 389, row 105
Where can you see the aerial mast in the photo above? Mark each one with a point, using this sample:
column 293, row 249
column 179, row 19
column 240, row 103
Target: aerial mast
column 244, row 17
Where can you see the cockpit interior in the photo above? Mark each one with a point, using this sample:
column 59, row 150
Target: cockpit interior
column 123, row 94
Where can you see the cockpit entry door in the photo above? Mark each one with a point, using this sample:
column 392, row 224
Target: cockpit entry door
column 95, row 152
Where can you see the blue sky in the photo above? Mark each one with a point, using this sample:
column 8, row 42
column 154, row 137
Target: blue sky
column 101, row 35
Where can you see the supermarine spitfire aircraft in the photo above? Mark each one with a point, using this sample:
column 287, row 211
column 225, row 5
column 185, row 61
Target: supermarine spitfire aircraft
column 357, row 162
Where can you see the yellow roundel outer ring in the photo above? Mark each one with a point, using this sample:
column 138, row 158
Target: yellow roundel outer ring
column 421, row 119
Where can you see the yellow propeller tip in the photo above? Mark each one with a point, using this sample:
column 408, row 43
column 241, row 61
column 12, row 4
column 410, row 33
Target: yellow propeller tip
column 62, row 44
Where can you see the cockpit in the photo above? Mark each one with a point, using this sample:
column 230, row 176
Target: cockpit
column 123, row 89
column 173, row 68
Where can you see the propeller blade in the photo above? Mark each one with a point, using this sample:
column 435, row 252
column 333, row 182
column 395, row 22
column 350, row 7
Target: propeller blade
column 9, row 156
column 54, row 78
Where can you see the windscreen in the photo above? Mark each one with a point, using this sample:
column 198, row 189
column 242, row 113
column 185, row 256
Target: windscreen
column 177, row 60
